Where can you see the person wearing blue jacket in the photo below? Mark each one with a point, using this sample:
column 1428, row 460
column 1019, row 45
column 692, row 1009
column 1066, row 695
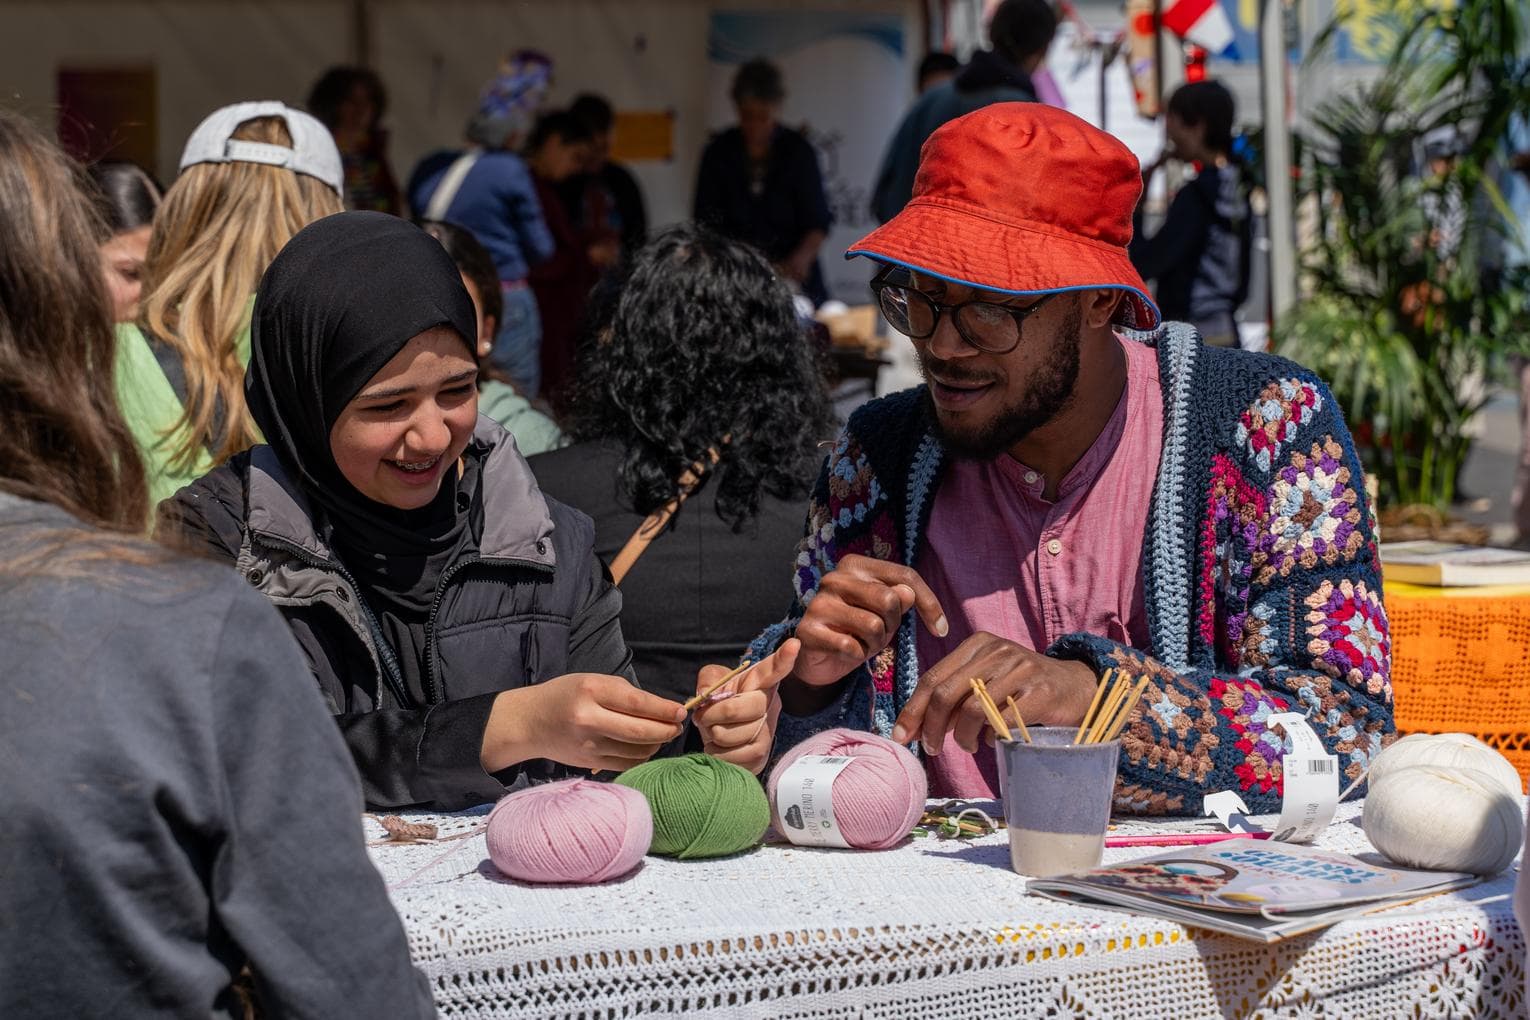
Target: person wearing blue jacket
column 488, row 189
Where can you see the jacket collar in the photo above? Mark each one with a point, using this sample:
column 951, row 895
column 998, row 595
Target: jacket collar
column 517, row 522
column 988, row 70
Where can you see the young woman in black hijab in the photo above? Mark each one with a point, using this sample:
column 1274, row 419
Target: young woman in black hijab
column 459, row 623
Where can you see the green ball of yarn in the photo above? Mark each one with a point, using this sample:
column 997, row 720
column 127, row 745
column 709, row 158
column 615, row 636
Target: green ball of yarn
column 702, row 806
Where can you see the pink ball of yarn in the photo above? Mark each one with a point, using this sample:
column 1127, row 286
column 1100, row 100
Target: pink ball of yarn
column 877, row 798
column 575, row 831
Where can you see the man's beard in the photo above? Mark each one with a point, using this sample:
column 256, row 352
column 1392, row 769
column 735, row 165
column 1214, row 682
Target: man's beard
column 1048, row 394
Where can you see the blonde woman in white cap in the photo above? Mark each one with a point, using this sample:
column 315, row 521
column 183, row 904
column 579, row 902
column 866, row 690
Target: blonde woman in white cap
column 252, row 175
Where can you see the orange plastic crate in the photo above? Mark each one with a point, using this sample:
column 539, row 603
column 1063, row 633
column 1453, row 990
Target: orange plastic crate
column 1461, row 664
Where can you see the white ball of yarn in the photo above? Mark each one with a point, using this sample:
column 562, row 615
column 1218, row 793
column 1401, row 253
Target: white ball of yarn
column 1444, row 819
column 1451, row 750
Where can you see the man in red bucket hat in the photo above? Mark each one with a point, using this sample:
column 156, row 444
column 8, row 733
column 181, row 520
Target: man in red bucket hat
column 1079, row 487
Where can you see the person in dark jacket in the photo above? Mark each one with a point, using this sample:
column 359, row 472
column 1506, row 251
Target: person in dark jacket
column 759, row 182
column 698, row 351
column 605, row 196
column 177, row 808
column 559, row 146
column 1199, row 257
column 457, row 621
column 1020, row 31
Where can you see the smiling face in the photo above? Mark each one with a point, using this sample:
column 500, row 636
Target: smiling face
column 986, row 403
column 398, row 437
column 122, row 260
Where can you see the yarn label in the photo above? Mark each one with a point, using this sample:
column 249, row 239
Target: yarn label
column 805, row 800
column 1311, row 776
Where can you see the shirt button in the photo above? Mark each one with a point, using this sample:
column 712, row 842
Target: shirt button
column 1030, row 478
column 1054, row 547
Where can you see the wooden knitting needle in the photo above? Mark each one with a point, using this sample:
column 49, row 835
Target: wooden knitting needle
column 1118, row 690
column 1020, row 719
column 1000, row 727
column 704, row 695
column 1099, row 692
column 1125, row 711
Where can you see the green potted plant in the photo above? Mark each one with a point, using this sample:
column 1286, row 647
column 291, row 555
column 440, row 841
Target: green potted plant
column 1406, row 308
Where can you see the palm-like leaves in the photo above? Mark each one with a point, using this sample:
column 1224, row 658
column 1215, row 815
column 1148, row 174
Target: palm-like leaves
column 1408, row 326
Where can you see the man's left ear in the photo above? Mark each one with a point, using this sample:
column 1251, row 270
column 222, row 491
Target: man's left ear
column 1100, row 306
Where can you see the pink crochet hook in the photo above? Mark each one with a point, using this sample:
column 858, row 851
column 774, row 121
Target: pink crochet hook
column 1183, row 839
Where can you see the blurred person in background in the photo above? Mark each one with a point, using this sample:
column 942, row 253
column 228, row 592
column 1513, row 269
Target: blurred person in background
column 167, row 758
column 351, row 102
column 488, row 189
column 1199, row 257
column 1020, row 33
column 252, row 175
column 558, row 149
column 759, row 182
column 697, row 353
column 936, row 68
column 498, row 398
column 605, row 195
column 127, row 198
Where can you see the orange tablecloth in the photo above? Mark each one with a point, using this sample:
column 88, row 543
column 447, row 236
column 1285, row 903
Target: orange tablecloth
column 1461, row 663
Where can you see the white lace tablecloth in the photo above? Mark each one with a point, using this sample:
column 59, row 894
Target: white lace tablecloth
column 932, row 928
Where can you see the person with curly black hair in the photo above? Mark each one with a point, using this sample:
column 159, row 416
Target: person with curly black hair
column 695, row 354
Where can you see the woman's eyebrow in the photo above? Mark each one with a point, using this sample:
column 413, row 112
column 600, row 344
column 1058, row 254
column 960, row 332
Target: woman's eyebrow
column 400, row 391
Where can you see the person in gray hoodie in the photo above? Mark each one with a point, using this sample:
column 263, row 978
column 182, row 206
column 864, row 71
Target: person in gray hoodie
column 179, row 812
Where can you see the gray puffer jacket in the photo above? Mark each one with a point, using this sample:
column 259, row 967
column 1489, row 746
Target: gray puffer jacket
column 526, row 602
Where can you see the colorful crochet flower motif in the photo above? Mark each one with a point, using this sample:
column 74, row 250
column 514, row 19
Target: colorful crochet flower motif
column 1253, row 644
column 1247, row 707
column 1347, row 734
column 1235, row 511
column 1175, row 735
column 853, row 497
column 1348, row 637
column 1281, row 408
column 1314, row 515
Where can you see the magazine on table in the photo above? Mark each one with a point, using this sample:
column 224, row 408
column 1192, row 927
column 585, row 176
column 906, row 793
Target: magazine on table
column 1266, row 891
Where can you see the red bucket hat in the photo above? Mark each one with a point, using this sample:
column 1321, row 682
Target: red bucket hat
column 1021, row 198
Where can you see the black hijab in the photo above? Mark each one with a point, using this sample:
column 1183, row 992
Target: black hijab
column 336, row 304
column 345, row 295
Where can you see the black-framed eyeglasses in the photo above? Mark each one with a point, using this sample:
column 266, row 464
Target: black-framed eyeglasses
column 991, row 328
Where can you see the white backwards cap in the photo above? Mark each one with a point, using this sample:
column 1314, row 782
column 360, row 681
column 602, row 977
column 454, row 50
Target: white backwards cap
column 313, row 150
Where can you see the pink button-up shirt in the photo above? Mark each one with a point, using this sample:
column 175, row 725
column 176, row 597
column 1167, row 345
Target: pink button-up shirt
column 1002, row 559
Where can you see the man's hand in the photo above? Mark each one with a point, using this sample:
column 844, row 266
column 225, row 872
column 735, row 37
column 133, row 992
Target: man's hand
column 1049, row 691
column 855, row 615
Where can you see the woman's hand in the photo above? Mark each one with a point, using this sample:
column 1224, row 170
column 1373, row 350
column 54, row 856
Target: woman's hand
column 740, row 725
column 587, row 720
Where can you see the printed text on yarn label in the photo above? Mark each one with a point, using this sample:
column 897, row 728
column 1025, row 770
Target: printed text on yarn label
column 1311, row 776
column 805, row 799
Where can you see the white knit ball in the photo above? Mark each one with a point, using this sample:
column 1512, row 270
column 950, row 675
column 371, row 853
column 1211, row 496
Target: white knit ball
column 1444, row 819
column 1451, row 750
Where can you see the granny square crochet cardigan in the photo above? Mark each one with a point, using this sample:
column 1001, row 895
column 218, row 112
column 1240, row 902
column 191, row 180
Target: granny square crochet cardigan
column 1261, row 572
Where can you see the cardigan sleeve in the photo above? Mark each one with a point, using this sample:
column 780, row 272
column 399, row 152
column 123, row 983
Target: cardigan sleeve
column 847, row 513
column 1289, row 618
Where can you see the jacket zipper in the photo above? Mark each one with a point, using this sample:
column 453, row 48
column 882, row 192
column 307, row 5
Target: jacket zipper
column 431, row 693
column 392, row 675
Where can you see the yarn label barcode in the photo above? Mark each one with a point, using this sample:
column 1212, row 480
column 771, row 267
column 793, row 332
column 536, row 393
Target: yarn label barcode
column 1311, row 793
column 805, row 800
